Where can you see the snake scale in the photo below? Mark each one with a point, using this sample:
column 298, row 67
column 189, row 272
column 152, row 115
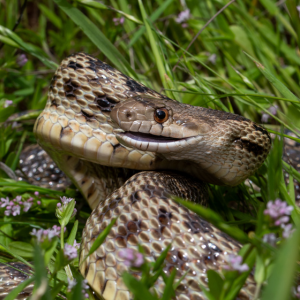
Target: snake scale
column 101, row 127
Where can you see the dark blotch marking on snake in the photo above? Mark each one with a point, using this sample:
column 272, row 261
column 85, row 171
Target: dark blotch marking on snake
column 104, row 102
column 249, row 146
column 264, row 131
column 74, row 65
column 135, row 86
column 88, row 116
column 70, row 88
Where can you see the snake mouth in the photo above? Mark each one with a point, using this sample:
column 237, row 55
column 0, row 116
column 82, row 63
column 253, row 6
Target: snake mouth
column 152, row 143
column 150, row 138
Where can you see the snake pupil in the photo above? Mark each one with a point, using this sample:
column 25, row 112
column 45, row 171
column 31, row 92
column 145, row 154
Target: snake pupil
column 161, row 115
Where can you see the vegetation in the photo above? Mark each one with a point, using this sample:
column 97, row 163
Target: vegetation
column 245, row 61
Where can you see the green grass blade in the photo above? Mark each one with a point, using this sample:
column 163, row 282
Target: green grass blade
column 152, row 18
column 139, row 290
column 279, row 286
column 274, row 80
column 157, row 54
column 97, row 37
column 27, row 47
column 100, row 239
column 72, row 235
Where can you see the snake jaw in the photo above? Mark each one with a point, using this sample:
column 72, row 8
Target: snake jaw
column 152, row 143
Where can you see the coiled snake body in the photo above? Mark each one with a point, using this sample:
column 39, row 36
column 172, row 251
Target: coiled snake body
column 99, row 126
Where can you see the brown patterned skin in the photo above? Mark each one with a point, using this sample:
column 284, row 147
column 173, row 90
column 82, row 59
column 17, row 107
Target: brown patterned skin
column 36, row 167
column 148, row 216
column 99, row 126
column 11, row 275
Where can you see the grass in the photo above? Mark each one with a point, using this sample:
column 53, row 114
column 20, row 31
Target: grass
column 245, row 61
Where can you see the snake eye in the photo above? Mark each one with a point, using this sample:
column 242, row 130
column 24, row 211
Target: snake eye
column 161, row 115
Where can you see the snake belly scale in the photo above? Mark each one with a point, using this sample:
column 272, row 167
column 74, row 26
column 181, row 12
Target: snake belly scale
column 101, row 127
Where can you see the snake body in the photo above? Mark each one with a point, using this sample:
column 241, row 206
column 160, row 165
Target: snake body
column 100, row 127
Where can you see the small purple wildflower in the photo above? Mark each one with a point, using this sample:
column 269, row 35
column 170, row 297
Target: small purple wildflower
column 43, row 234
column 4, row 202
column 131, row 257
column 63, row 205
column 273, row 110
column 21, row 60
column 73, row 282
column 38, row 202
column 16, row 210
column 270, row 238
column 118, row 21
column 287, row 230
column 183, row 16
column 279, row 211
column 16, row 206
column 8, row 103
column 36, row 193
column 85, row 287
column 234, row 262
column 76, row 245
column 65, row 200
column 70, row 251
column 282, row 220
column 212, row 58
column 297, row 292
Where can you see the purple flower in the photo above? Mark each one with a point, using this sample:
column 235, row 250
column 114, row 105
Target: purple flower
column 4, row 202
column 70, row 251
column 65, row 200
column 7, row 212
column 131, row 257
column 212, row 58
column 277, row 209
column 61, row 207
column 43, row 234
column 21, row 60
column 183, row 16
column 287, row 230
column 273, row 110
column 8, row 103
column 73, row 282
column 36, row 193
column 76, row 245
column 270, row 238
column 16, row 210
column 16, row 206
column 85, row 287
column 282, row 220
column 297, row 292
column 234, row 262
column 118, row 21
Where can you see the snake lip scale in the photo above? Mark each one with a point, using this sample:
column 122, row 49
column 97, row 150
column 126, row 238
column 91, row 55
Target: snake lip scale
column 100, row 127
column 143, row 137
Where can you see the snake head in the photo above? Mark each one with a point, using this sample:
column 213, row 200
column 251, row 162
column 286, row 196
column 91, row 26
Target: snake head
column 215, row 146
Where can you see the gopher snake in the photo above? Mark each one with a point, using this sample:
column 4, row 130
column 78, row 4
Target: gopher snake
column 99, row 125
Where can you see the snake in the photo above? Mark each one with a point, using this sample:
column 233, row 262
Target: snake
column 129, row 150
